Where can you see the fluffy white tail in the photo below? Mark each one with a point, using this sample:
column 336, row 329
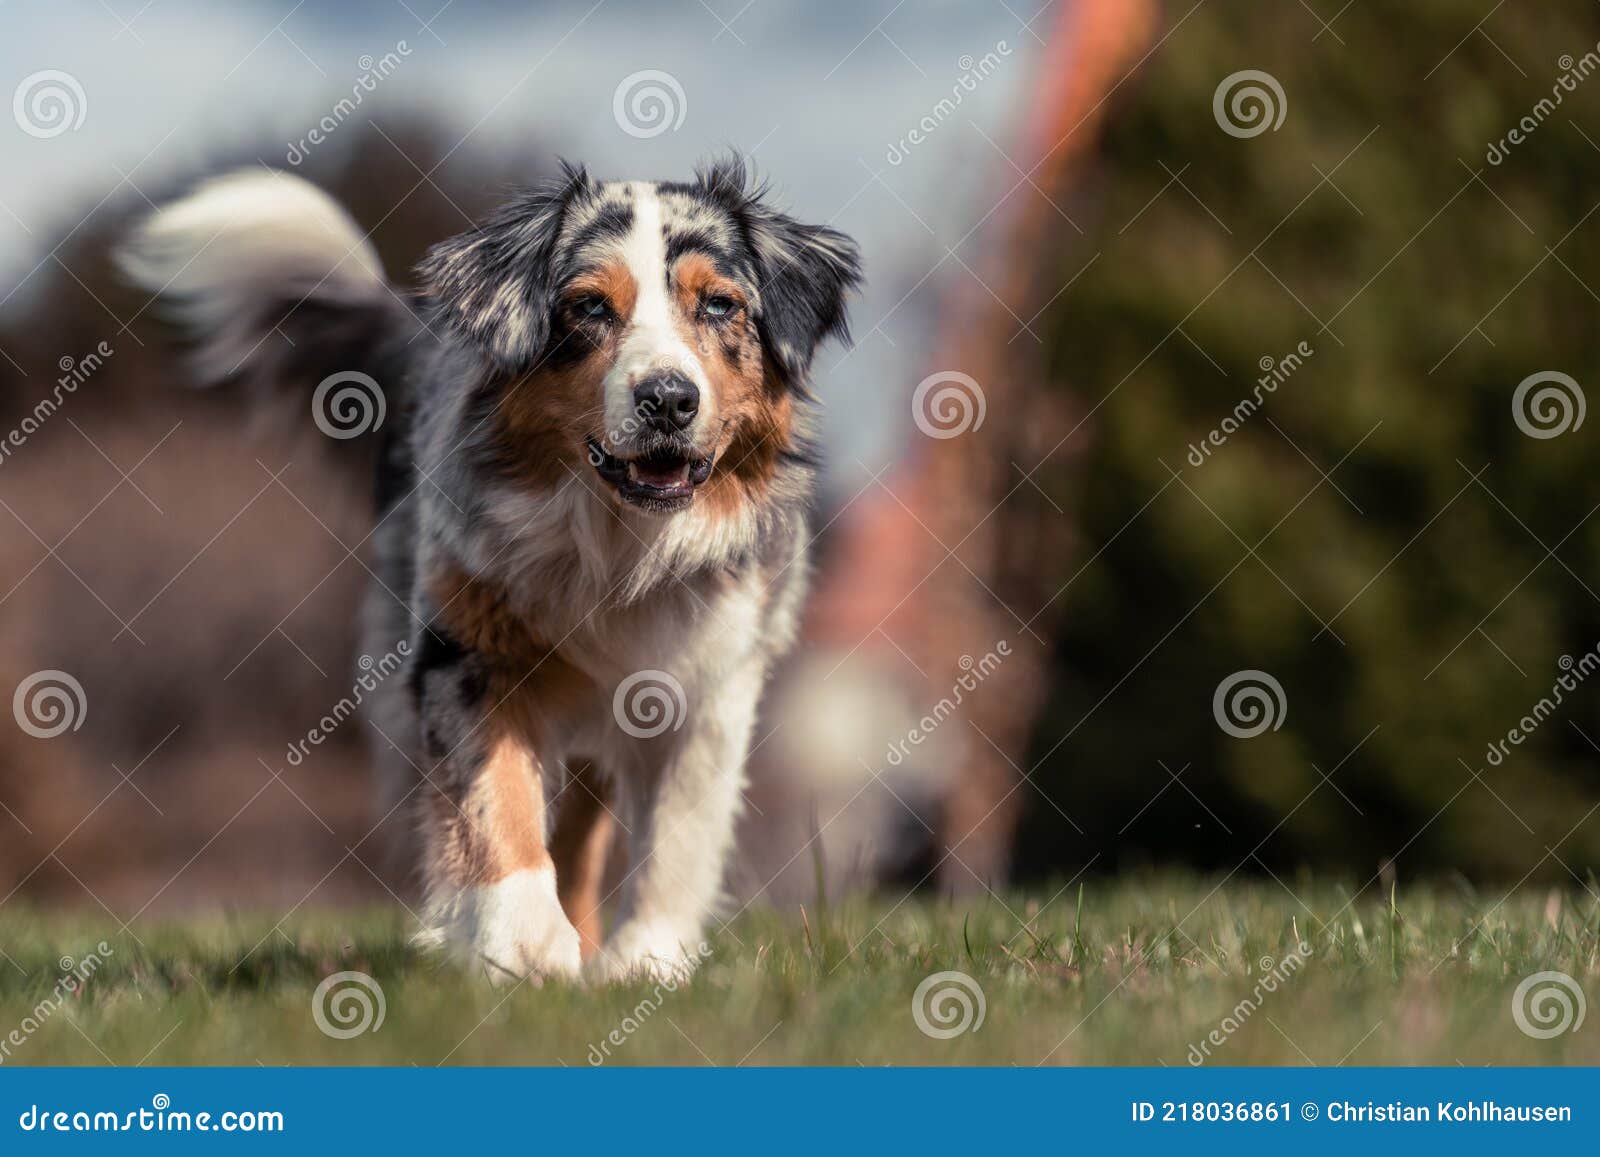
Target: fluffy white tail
column 269, row 278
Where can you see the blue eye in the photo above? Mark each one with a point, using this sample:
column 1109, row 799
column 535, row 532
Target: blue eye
column 591, row 307
column 719, row 306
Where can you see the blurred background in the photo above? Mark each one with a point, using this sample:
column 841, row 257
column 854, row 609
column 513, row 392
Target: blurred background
column 1209, row 482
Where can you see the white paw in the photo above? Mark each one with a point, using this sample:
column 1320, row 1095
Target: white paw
column 512, row 929
column 641, row 952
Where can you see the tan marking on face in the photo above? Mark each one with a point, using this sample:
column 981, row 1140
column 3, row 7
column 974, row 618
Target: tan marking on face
column 695, row 278
column 612, row 281
column 542, row 422
column 755, row 412
column 760, row 428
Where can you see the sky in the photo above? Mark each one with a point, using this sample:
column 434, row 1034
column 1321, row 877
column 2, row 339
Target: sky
column 824, row 96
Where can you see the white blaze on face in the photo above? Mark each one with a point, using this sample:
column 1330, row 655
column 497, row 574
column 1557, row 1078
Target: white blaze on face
column 652, row 342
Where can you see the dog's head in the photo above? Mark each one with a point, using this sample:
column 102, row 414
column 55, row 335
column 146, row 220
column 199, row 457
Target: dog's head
column 656, row 334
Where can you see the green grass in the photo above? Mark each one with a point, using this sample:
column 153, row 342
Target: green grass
column 1135, row 973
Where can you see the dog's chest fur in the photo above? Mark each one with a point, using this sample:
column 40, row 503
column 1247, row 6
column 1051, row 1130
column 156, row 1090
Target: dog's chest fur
column 559, row 633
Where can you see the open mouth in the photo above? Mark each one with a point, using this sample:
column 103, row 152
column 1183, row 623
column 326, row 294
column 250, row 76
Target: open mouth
column 661, row 480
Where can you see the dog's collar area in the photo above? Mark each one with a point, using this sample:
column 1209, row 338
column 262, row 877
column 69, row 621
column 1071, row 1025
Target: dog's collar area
column 662, row 480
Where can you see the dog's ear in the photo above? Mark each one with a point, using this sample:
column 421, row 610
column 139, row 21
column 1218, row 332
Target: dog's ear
column 804, row 272
column 494, row 286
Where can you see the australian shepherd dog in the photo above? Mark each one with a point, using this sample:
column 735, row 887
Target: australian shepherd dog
column 591, row 525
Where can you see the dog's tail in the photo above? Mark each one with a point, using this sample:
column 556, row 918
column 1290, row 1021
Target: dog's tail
column 275, row 285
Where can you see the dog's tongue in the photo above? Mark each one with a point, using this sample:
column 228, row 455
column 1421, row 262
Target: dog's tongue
column 660, row 474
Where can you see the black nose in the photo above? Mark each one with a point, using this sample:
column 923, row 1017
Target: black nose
column 667, row 402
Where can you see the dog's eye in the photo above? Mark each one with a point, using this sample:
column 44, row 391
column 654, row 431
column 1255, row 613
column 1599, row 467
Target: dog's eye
column 590, row 307
column 719, row 306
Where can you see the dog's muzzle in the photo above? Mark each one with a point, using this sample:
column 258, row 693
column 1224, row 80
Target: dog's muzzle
column 662, row 479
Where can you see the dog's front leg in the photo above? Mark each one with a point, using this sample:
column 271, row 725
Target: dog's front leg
column 681, row 806
column 491, row 883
